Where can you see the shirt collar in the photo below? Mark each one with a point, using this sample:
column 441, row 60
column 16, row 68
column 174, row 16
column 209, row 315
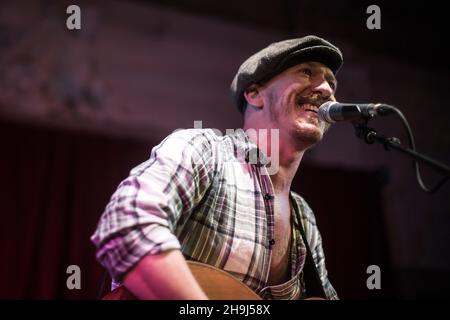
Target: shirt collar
column 248, row 150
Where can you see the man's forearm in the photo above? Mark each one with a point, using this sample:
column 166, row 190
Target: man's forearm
column 164, row 276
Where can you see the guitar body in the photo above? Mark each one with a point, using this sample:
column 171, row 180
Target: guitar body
column 216, row 283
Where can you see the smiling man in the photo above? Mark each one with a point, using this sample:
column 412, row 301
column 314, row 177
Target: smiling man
column 202, row 197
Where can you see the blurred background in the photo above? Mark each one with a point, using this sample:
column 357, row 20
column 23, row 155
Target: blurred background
column 80, row 108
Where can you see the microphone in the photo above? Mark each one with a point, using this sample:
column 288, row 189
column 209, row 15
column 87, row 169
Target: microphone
column 332, row 111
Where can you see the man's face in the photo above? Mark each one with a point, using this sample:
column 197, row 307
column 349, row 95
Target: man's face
column 293, row 97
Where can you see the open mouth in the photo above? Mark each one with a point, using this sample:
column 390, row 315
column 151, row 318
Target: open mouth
column 309, row 107
column 307, row 104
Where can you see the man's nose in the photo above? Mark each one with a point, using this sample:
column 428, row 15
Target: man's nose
column 323, row 87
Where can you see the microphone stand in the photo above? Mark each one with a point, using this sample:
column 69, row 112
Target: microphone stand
column 369, row 135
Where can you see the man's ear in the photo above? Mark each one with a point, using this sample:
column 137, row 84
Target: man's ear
column 253, row 96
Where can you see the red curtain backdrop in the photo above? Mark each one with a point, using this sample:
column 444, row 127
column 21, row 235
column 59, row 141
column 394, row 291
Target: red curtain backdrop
column 55, row 185
column 54, row 188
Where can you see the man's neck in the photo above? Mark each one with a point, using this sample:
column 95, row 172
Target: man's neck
column 288, row 166
column 289, row 158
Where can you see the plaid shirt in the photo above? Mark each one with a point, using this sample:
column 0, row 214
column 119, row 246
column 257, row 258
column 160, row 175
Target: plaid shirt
column 199, row 193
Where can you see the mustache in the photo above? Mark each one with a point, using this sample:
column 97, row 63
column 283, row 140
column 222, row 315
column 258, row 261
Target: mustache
column 314, row 99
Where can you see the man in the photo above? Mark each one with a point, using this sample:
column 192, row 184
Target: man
column 211, row 198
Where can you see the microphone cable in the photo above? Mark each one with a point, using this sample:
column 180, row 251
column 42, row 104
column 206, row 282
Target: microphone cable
column 412, row 146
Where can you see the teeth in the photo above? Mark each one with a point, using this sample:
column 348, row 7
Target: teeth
column 308, row 106
column 311, row 107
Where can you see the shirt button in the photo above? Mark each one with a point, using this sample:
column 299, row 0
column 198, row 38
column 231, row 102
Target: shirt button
column 272, row 242
column 268, row 196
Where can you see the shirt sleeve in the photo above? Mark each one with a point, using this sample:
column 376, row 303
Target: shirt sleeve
column 142, row 214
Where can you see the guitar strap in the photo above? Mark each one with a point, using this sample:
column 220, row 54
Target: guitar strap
column 101, row 286
column 313, row 284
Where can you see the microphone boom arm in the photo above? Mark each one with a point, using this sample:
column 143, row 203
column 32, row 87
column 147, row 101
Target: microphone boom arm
column 370, row 136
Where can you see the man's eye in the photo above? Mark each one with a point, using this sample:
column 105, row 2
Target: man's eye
column 306, row 71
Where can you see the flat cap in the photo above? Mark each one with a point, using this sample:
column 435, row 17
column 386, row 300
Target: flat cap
column 279, row 56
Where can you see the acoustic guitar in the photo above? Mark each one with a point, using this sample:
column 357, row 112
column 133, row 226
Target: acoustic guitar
column 216, row 283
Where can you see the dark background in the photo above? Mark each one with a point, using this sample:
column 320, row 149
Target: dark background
column 68, row 139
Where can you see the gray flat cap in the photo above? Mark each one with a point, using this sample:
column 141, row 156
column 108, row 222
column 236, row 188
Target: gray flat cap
column 279, row 56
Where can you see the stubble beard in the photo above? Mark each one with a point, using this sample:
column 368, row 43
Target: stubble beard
column 302, row 134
